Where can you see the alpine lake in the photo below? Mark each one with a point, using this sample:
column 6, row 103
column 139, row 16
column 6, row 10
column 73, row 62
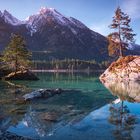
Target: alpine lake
column 88, row 110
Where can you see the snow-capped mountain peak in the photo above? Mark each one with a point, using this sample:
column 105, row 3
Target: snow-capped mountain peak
column 44, row 10
column 8, row 18
column 50, row 15
column 44, row 17
column 43, row 14
column 5, row 12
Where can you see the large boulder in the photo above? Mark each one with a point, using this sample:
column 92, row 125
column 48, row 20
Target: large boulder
column 21, row 75
column 125, row 68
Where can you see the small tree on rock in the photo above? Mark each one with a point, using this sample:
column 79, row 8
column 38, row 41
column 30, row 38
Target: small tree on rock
column 16, row 56
column 122, row 35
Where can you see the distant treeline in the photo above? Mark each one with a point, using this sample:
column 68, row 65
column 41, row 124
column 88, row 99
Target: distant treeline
column 70, row 64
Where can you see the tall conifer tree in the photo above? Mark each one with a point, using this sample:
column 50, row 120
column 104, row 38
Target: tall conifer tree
column 122, row 35
column 16, row 56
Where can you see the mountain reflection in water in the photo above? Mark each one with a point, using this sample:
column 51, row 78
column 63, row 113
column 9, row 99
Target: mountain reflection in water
column 87, row 112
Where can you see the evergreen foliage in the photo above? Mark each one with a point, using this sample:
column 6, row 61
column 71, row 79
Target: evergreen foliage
column 16, row 56
column 122, row 35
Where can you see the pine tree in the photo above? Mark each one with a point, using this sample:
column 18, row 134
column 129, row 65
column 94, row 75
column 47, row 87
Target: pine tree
column 122, row 35
column 16, row 56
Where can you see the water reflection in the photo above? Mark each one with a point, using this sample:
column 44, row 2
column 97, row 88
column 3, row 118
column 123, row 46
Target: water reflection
column 128, row 90
column 83, row 113
column 121, row 117
column 69, row 109
column 4, row 121
column 12, row 110
column 48, row 122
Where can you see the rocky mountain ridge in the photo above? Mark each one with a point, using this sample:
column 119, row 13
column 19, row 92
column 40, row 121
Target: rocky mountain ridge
column 51, row 35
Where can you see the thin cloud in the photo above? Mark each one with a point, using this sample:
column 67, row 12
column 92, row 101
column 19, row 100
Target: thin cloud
column 101, row 28
column 132, row 7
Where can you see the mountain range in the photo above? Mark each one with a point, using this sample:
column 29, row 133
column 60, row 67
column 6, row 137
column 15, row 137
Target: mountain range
column 51, row 35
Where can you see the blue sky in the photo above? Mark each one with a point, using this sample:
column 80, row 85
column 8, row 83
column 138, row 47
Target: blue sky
column 96, row 14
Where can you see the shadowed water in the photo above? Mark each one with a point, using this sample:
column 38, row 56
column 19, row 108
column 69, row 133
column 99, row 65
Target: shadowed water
column 88, row 111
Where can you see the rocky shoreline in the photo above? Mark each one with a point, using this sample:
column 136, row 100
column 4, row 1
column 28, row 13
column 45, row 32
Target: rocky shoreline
column 21, row 75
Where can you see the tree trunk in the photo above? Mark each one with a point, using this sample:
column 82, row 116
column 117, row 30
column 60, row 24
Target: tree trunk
column 16, row 67
column 121, row 52
column 120, row 49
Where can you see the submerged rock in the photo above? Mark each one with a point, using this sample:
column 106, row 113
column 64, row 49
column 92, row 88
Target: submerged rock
column 12, row 136
column 42, row 93
column 50, row 116
column 21, row 75
column 125, row 68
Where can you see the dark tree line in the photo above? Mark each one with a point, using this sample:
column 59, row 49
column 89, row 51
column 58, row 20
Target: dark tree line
column 70, row 64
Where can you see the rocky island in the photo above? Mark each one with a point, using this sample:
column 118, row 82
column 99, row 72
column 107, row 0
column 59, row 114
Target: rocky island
column 15, row 61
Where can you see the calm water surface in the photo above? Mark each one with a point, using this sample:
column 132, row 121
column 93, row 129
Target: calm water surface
column 89, row 110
